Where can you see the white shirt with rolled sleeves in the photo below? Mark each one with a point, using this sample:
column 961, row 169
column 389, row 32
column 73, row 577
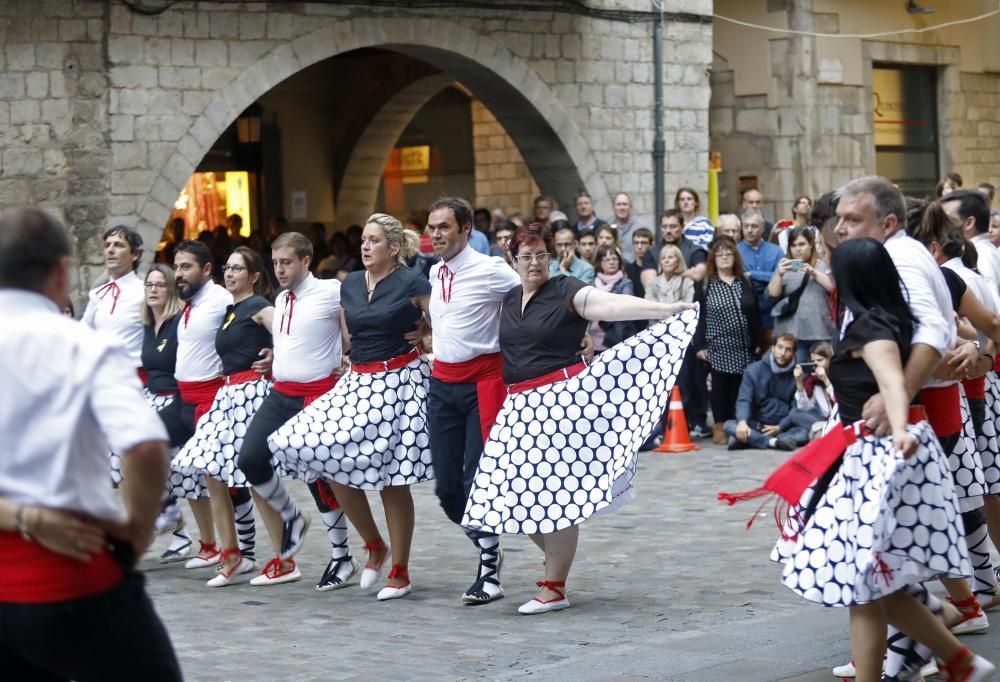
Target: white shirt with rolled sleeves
column 115, row 307
column 197, row 359
column 983, row 289
column 306, row 331
column 988, row 261
column 468, row 324
column 67, row 394
column 926, row 293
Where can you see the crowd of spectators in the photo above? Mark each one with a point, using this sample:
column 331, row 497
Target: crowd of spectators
column 767, row 299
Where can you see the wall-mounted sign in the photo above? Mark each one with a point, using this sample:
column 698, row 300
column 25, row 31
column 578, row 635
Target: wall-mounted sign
column 415, row 164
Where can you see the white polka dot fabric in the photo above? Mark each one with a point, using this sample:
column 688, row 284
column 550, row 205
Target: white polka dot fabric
column 989, row 447
column 368, row 432
column 883, row 523
column 965, row 463
column 215, row 446
column 157, row 402
column 560, row 453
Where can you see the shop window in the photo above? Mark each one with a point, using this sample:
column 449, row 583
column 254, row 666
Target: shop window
column 904, row 111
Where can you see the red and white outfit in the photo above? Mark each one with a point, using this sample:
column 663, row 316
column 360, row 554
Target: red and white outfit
column 114, row 307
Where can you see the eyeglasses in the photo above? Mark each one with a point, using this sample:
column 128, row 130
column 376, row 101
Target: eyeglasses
column 235, row 269
column 532, row 257
column 155, row 285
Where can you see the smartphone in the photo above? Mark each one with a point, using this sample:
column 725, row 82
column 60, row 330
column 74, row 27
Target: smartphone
column 794, row 264
column 807, row 364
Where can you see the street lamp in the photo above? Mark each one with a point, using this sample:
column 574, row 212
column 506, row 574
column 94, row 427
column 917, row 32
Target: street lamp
column 248, row 125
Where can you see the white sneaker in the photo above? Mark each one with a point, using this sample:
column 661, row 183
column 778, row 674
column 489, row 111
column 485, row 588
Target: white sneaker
column 971, row 625
column 371, row 573
column 846, row 670
column 274, row 574
column 208, row 555
column 223, row 578
column 389, row 592
column 536, row 605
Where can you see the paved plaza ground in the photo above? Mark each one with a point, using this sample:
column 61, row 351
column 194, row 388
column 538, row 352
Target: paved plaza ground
column 671, row 587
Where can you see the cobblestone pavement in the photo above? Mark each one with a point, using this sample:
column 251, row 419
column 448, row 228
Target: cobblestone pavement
column 671, row 587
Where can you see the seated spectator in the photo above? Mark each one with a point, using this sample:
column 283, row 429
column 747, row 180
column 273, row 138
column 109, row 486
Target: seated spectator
column 566, row 261
column 728, row 330
column 814, row 399
column 764, row 403
column 588, row 245
column 611, row 277
column 643, row 269
column 697, row 228
column 504, row 233
column 800, row 288
column 670, row 285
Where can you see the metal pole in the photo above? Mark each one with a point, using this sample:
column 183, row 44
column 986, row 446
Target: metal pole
column 659, row 147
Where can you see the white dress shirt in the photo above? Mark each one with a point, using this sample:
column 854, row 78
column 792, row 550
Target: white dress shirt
column 467, row 325
column 67, row 393
column 115, row 307
column 925, row 290
column 197, row 359
column 983, row 289
column 988, row 262
column 306, row 331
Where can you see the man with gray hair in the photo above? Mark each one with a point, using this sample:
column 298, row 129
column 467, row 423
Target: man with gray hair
column 760, row 259
column 730, row 225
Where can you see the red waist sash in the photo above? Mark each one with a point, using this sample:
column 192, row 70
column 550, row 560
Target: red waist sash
column 243, row 377
column 388, row 365
column 31, row 574
column 943, row 410
column 143, row 376
column 486, row 372
column 200, row 394
column 310, row 390
column 546, row 379
column 975, row 389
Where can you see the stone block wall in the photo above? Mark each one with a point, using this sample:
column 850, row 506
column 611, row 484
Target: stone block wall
column 976, row 129
column 502, row 177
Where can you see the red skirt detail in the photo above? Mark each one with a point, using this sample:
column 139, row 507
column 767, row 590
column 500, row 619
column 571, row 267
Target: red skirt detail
column 546, row 379
column 388, row 365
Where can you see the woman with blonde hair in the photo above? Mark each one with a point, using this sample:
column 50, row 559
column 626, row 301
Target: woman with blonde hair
column 670, row 285
column 370, row 431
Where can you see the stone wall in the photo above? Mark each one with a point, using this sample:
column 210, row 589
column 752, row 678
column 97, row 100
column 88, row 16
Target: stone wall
column 975, row 129
column 502, row 177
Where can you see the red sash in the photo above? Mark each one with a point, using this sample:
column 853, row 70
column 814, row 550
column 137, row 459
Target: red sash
column 546, row 379
column 31, row 574
column 388, row 365
column 943, row 409
column 200, row 394
column 310, row 390
column 143, row 376
column 975, row 389
column 486, row 372
column 243, row 377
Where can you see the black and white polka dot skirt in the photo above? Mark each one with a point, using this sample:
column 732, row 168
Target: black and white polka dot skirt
column 883, row 523
column 157, row 401
column 560, row 453
column 988, row 441
column 368, row 432
column 965, row 463
column 215, row 446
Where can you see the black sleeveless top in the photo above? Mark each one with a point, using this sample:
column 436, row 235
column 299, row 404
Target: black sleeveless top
column 159, row 355
column 239, row 340
column 853, row 381
column 377, row 326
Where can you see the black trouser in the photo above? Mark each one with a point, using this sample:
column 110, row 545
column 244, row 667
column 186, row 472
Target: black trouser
column 693, row 382
column 178, row 418
column 456, row 440
column 255, row 455
column 725, row 390
column 105, row 637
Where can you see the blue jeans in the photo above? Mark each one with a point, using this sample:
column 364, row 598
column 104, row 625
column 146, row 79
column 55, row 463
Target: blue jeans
column 759, row 441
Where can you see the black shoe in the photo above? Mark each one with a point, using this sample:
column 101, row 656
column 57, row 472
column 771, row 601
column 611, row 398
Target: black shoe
column 736, row 445
column 337, row 574
column 786, row 443
column 489, row 574
column 293, row 534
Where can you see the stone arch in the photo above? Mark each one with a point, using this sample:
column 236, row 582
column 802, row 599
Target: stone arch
column 359, row 189
column 549, row 140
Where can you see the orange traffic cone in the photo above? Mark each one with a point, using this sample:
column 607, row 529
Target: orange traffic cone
column 675, row 430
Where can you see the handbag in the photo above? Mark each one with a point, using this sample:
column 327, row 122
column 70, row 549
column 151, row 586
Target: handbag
column 791, row 302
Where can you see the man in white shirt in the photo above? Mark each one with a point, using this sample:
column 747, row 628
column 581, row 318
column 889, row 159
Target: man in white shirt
column 307, row 354
column 466, row 388
column 115, row 305
column 970, row 210
column 74, row 605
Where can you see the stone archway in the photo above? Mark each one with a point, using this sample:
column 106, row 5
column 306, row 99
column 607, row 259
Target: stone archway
column 549, row 140
column 357, row 194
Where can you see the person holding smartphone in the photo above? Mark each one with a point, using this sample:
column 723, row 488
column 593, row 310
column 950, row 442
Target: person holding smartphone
column 801, row 287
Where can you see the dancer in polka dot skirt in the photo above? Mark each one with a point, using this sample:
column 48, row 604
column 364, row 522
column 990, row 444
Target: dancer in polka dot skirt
column 370, row 431
column 565, row 445
column 242, row 338
column 885, row 516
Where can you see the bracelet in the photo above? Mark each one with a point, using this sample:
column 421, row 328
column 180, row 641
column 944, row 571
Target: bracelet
column 19, row 524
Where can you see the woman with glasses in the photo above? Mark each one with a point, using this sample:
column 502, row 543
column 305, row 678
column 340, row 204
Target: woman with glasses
column 369, row 433
column 729, row 329
column 610, row 277
column 564, row 445
column 158, row 316
column 213, row 450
